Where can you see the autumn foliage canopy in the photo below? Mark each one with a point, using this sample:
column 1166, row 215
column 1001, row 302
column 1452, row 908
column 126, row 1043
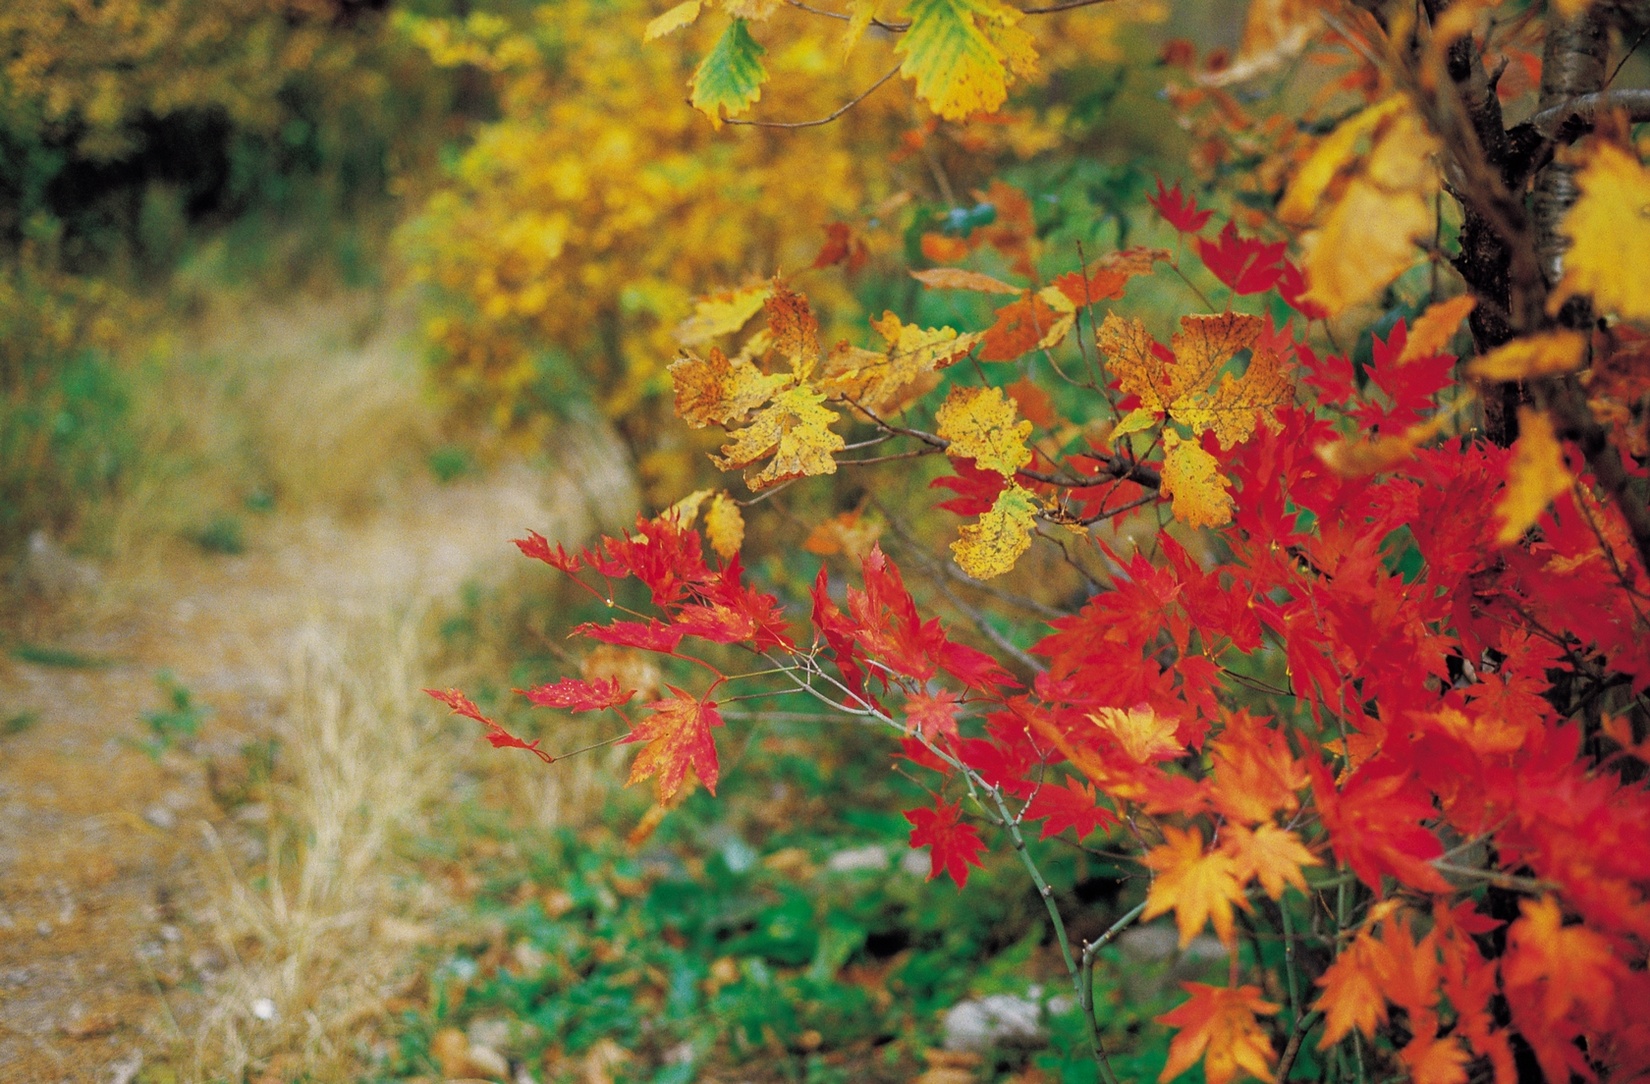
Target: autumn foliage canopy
column 1350, row 644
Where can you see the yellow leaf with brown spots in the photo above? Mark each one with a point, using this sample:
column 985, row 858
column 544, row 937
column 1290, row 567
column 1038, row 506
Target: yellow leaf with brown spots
column 991, row 546
column 794, row 430
column 725, row 525
column 984, row 426
column 1191, row 476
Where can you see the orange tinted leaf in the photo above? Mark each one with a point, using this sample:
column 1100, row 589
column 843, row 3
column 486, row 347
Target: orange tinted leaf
column 1274, row 855
column 1218, row 1025
column 1436, row 327
column 1020, row 326
column 715, row 391
column 1556, row 967
column 957, row 278
column 1352, row 995
column 1197, row 887
column 678, row 740
column 1437, row 1059
column 1139, row 370
column 1541, row 354
column 795, row 330
column 1535, row 476
column 1141, row 733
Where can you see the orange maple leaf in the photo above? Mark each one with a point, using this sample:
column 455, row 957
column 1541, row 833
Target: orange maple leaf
column 1273, row 854
column 678, row 739
column 1352, row 995
column 1218, row 1025
column 1197, row 887
column 1556, row 967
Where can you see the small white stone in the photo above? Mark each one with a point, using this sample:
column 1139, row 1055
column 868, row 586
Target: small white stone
column 874, row 856
column 264, row 1009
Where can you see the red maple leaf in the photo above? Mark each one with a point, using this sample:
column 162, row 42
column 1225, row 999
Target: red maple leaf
column 678, row 739
column 652, row 636
column 575, row 695
column 1292, row 287
column 537, row 547
column 1244, row 263
column 976, row 489
column 497, row 735
column 1373, row 824
column 932, row 715
column 1072, row 804
column 1178, row 209
column 953, row 847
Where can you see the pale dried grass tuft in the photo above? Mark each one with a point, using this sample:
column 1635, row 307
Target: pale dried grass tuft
column 309, row 967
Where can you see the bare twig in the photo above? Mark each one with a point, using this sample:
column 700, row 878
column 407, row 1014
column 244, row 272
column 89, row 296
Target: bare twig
column 843, row 108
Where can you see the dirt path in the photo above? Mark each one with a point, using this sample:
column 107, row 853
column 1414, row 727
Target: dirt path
column 107, row 951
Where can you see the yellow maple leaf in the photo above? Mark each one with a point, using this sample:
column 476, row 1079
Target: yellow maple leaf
column 1534, row 477
column 725, row 525
column 715, row 391
column 1333, row 154
column 1610, row 257
column 886, row 382
column 1274, row 855
column 991, row 546
column 1542, row 354
column 1143, row 735
column 795, row 430
column 1191, row 476
column 1198, row 887
column 984, row 426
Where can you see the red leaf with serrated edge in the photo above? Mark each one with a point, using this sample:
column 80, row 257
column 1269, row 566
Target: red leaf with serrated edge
column 1373, row 824
column 575, row 695
column 678, row 738
column 1292, row 287
column 1410, row 386
column 953, row 846
column 1072, row 804
column 497, row 735
column 976, row 489
column 768, row 629
column 537, row 547
column 717, row 623
column 1246, row 264
column 1178, row 209
column 932, row 715
column 661, row 554
column 652, row 636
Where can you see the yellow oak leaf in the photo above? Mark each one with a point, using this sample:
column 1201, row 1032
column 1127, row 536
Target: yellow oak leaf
column 984, row 426
column 1610, row 228
column 1534, row 477
column 795, row 430
column 1198, row 887
column 681, row 15
column 1192, row 477
column 715, row 391
column 721, row 314
column 1272, row 854
column 1436, row 327
column 960, row 54
column 1542, row 354
column 991, row 546
column 1218, row 1025
column 1333, row 154
column 725, row 525
column 1367, row 237
column 1143, row 735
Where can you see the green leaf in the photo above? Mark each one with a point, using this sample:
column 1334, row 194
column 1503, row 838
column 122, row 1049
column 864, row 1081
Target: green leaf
column 955, row 52
column 731, row 75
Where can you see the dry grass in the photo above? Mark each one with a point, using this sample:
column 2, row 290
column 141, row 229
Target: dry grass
column 304, row 932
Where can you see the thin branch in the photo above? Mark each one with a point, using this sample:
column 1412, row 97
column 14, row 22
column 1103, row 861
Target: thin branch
column 843, row 108
column 1570, row 119
column 1303, row 1027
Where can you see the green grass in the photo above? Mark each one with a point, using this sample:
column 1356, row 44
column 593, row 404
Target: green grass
column 61, row 657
